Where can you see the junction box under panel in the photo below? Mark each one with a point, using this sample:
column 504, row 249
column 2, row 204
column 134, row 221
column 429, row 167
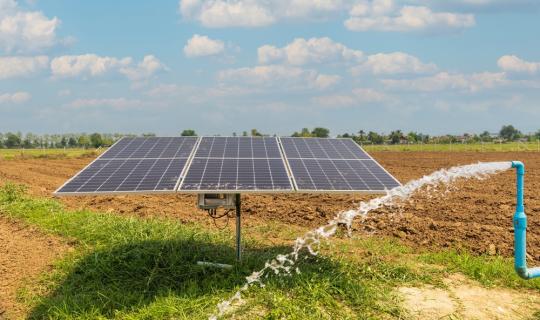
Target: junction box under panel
column 208, row 201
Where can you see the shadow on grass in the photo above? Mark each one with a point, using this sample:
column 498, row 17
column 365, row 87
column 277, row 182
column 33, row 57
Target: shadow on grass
column 127, row 278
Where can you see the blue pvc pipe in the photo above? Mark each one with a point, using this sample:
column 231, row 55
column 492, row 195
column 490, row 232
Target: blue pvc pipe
column 520, row 229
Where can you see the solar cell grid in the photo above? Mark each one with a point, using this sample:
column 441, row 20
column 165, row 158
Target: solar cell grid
column 334, row 165
column 323, row 148
column 140, row 164
column 238, row 147
column 151, row 147
column 126, row 175
column 237, row 163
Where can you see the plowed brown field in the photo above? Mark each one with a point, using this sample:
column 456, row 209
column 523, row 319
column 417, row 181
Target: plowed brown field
column 477, row 216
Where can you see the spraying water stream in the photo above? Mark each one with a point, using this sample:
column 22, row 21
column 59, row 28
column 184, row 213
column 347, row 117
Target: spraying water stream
column 284, row 263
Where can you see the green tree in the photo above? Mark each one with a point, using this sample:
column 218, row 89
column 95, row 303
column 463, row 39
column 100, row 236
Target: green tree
column 255, row 133
column 537, row 135
column 148, row 134
column 375, row 138
column 72, row 142
column 305, row 133
column 395, row 136
column 485, row 136
column 413, row 136
column 509, row 133
column 320, row 132
column 12, row 140
column 83, row 141
column 244, row 134
column 361, row 135
column 95, row 140
column 188, row 133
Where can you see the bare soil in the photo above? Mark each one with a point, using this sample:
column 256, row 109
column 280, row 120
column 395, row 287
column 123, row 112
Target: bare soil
column 24, row 254
column 476, row 216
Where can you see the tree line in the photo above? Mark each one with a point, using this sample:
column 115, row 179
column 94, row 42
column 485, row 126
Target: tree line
column 96, row 140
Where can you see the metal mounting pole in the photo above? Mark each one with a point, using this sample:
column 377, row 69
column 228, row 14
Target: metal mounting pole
column 238, row 228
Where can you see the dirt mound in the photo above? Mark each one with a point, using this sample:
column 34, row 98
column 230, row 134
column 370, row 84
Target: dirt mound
column 25, row 253
column 476, row 216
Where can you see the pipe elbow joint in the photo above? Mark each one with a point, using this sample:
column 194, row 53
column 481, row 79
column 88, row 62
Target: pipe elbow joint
column 528, row 273
column 523, row 272
column 520, row 167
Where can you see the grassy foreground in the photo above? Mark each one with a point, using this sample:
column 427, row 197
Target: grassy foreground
column 131, row 268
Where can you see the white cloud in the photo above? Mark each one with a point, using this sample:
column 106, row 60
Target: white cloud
column 323, row 81
column 25, row 31
column 513, row 63
column 252, row 13
column 393, row 63
column 384, row 15
column 93, row 65
column 312, row 8
column 278, row 75
column 201, row 46
column 221, row 13
column 446, row 81
column 115, row 103
column 15, row 98
column 86, row 64
column 149, row 66
column 11, row 67
column 358, row 96
column 314, row 50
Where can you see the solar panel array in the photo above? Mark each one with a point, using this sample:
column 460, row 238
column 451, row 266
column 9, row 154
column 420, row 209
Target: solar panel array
column 231, row 164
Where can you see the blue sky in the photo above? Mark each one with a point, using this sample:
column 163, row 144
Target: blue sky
column 219, row 66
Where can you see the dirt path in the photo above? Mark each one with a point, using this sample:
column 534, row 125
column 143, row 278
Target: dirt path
column 465, row 299
column 24, row 254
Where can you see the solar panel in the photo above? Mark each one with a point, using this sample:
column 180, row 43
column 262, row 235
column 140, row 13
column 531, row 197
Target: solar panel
column 323, row 165
column 225, row 164
column 148, row 164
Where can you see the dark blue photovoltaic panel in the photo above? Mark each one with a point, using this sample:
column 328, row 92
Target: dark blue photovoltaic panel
column 151, row 147
column 328, row 174
column 236, row 174
column 238, row 147
column 334, row 165
column 237, row 163
column 322, row 148
column 127, row 176
column 139, row 164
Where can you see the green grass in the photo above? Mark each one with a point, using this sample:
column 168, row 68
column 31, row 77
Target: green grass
column 458, row 147
column 14, row 154
column 133, row 268
column 130, row 268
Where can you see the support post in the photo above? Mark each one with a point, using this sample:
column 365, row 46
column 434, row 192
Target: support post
column 238, row 228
